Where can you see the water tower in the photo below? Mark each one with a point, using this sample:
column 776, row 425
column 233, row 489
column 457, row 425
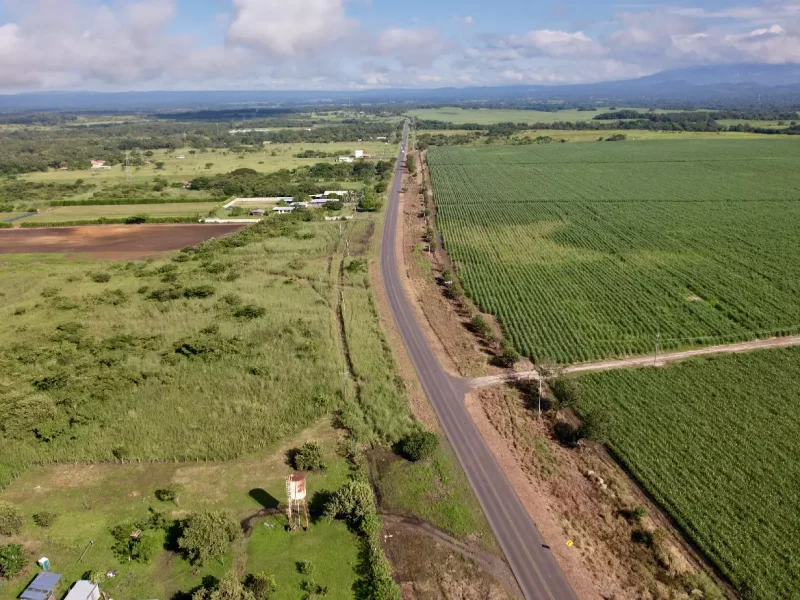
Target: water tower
column 296, row 495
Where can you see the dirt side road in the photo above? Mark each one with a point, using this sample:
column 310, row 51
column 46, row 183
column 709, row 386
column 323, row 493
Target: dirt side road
column 643, row 361
column 109, row 241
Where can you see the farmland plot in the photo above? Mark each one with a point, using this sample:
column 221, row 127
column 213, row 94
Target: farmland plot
column 715, row 442
column 597, row 250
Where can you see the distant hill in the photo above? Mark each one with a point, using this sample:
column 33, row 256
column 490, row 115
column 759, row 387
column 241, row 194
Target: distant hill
column 720, row 86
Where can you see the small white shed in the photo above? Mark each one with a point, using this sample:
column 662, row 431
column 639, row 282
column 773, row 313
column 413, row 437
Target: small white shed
column 84, row 590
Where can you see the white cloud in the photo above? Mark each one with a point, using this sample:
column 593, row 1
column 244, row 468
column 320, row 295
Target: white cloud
column 548, row 42
column 289, row 28
column 466, row 20
column 417, row 48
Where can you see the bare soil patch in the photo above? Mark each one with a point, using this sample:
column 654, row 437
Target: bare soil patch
column 430, row 565
column 110, row 241
column 446, row 323
column 580, row 495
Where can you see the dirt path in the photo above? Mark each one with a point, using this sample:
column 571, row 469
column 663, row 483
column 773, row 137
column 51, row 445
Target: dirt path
column 643, row 361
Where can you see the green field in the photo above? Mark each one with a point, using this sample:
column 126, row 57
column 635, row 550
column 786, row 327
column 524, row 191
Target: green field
column 594, row 250
column 490, row 116
column 223, row 161
column 715, row 442
column 90, row 499
column 76, row 213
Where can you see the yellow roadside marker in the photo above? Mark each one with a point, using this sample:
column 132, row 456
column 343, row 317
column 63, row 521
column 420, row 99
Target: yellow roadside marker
column 570, row 543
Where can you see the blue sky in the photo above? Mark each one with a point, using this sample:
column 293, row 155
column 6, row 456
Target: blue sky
column 357, row 44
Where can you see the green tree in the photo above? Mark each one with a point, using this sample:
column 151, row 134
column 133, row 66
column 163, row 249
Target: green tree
column 160, row 164
column 410, row 164
column 370, row 201
column 229, row 588
column 11, row 560
column 596, row 426
column 419, row 445
column 208, row 535
column 146, row 547
column 261, row 585
column 11, row 519
column 510, row 356
column 352, row 502
column 308, row 457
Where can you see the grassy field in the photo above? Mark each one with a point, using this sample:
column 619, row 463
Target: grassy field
column 89, row 500
column 588, row 251
column 715, row 442
column 489, row 116
column 74, row 213
column 273, row 157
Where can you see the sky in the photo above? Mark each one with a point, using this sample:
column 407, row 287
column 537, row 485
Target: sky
column 119, row 45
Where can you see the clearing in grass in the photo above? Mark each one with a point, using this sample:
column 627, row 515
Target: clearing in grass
column 588, row 251
column 714, row 442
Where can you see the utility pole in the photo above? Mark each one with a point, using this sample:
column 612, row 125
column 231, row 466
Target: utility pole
column 655, row 356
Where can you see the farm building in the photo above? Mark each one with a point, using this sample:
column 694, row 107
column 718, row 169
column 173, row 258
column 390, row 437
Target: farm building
column 359, row 154
column 346, row 159
column 259, row 212
column 342, row 193
column 318, row 202
column 41, row 588
column 281, row 210
column 98, row 163
column 84, row 590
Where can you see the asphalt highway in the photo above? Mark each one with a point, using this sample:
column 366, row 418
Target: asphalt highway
column 532, row 562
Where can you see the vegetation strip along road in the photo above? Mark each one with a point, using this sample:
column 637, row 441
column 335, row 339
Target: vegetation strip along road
column 533, row 564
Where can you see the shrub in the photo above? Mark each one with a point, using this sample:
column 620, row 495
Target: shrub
column 250, row 311
column 11, row 519
column 308, row 457
column 352, row 502
column 565, row 391
column 100, row 277
column 146, row 547
column 419, row 445
column 509, row 357
column 207, row 535
column 356, row 265
column 95, row 576
column 169, row 493
column 482, row 327
column 164, row 294
column 199, row 291
column 595, row 427
column 137, row 219
column 261, row 585
column 45, row 519
column 455, row 291
column 11, row 560
column 305, row 567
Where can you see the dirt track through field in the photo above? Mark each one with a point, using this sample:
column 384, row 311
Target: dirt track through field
column 110, row 241
column 643, row 361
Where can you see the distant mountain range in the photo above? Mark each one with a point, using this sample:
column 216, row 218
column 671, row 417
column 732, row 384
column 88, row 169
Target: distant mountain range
column 715, row 86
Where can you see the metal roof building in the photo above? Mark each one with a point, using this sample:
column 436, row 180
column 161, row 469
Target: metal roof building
column 41, row 588
column 84, row 590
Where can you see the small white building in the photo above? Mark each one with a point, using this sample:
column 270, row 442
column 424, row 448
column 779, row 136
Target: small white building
column 259, row 212
column 359, row 154
column 84, row 590
column 346, row 159
column 317, row 202
column 341, row 193
column 282, row 210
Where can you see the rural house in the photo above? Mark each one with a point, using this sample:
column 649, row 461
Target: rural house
column 84, row 590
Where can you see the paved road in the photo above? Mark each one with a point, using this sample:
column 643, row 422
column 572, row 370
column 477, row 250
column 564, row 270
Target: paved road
column 643, row 361
column 534, row 567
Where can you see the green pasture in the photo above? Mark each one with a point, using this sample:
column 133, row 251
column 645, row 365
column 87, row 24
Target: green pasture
column 90, row 499
column 75, row 213
column 490, row 116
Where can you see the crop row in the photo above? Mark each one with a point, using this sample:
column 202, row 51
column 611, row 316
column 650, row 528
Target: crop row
column 695, row 435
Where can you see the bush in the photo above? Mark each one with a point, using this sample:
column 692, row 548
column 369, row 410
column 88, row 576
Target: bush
column 308, row 457
column 356, row 265
column 137, row 219
column 199, row 291
column 169, row 493
column 352, row 502
column 207, row 535
column 11, row 519
column 164, row 294
column 333, row 205
column 100, row 277
column 95, row 576
column 45, row 519
column 565, row 391
column 419, row 445
column 305, row 567
column 11, row 560
column 509, row 357
column 146, row 547
column 595, row 427
column 481, row 326
column 250, row 311
column 261, row 585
